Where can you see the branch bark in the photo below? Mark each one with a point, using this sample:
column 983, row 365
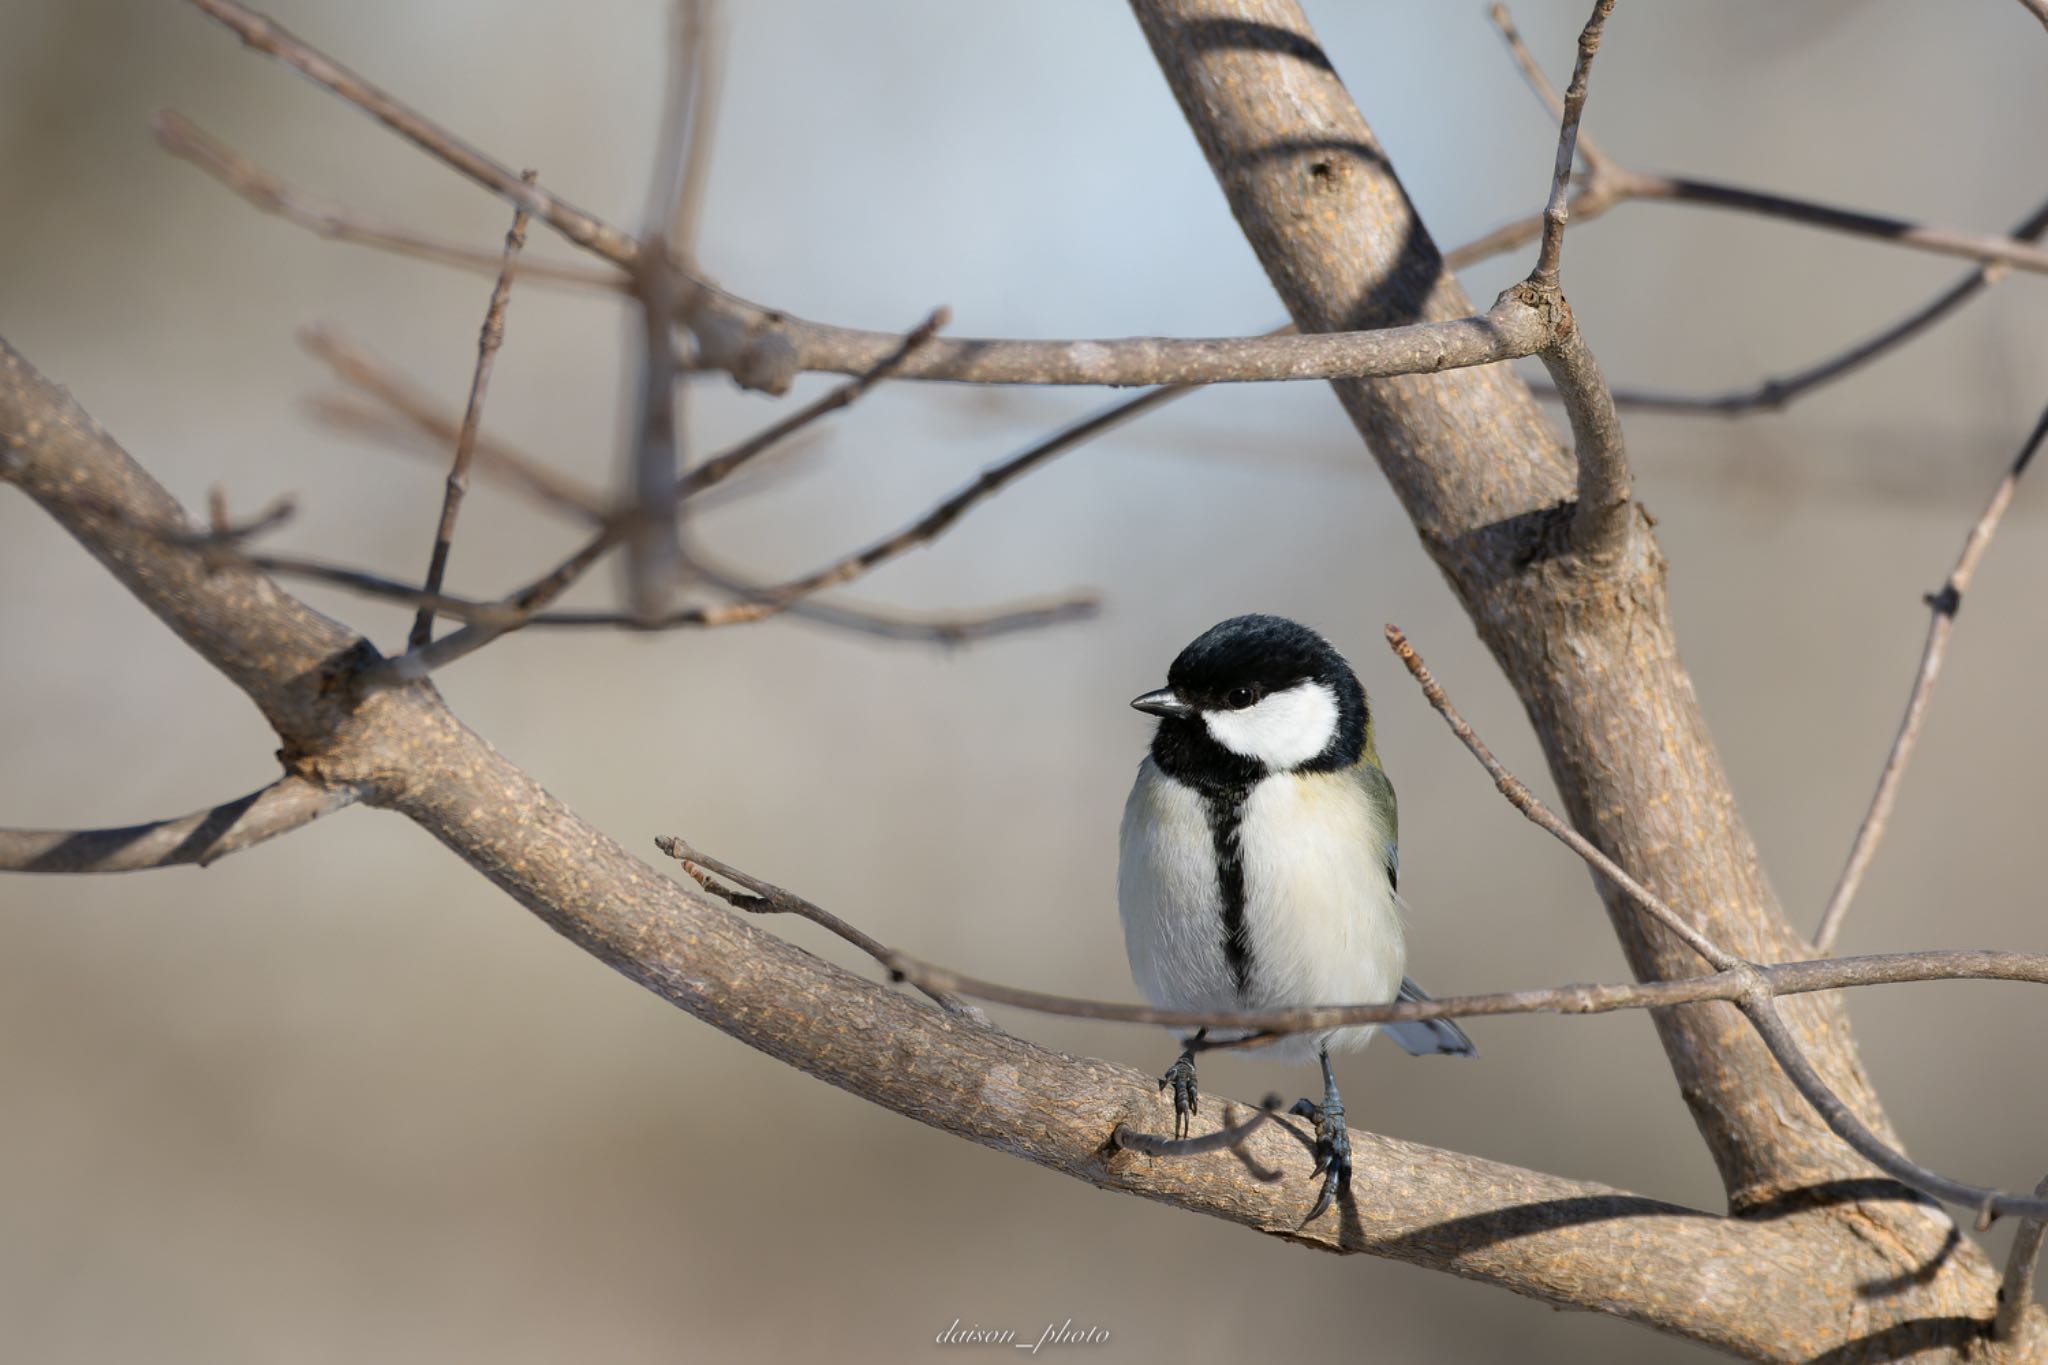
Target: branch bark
column 200, row 838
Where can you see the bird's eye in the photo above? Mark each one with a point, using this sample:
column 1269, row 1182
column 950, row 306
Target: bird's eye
column 1241, row 697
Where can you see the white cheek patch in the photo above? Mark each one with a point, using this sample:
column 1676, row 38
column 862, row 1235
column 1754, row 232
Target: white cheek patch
column 1280, row 730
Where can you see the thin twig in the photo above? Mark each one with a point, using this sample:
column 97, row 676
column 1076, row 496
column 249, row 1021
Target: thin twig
column 268, row 37
column 200, row 838
column 1525, row 801
column 701, row 44
column 1944, row 606
column 2016, row 1291
column 1780, row 978
column 1975, row 246
column 1555, row 215
column 1590, row 151
column 269, row 194
column 1781, row 390
column 654, row 547
column 363, row 371
column 224, row 530
column 1846, row 1124
column 488, row 342
column 765, row 898
column 721, row 466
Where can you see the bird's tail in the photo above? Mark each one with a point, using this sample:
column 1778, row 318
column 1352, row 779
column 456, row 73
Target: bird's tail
column 1428, row 1037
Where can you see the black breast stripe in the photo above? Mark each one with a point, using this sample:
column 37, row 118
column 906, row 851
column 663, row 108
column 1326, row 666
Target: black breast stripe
column 1225, row 809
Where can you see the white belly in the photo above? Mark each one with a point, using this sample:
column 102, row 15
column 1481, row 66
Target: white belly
column 1319, row 911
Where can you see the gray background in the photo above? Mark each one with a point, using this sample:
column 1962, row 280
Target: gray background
column 336, row 1099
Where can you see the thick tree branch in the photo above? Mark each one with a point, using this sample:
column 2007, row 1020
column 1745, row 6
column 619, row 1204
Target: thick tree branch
column 200, row 838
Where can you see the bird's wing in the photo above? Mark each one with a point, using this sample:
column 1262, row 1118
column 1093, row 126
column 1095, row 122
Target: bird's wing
column 1429, row 1037
column 1380, row 792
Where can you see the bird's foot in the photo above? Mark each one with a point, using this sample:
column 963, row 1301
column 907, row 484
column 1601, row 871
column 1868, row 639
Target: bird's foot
column 1181, row 1078
column 1333, row 1151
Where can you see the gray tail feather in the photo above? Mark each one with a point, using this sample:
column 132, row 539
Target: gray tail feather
column 1429, row 1037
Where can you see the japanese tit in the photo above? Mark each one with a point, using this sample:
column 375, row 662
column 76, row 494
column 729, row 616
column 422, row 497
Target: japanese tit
column 1258, row 862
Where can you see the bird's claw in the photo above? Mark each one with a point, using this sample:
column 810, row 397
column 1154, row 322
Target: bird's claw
column 1181, row 1077
column 1333, row 1153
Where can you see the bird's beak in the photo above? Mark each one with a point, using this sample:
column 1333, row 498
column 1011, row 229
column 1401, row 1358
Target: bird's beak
column 1164, row 702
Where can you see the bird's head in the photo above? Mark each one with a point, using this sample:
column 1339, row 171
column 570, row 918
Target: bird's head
column 1256, row 695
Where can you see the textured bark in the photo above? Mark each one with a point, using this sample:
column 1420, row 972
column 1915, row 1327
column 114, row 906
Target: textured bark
column 1587, row 641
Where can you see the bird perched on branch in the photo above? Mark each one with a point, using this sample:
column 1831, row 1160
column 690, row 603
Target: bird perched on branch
column 1258, row 864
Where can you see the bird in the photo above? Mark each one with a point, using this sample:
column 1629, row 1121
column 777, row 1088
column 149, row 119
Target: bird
column 1258, row 865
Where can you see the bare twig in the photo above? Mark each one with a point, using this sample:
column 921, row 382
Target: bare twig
column 423, row 414
column 765, row 898
column 1524, row 800
column 1781, row 390
column 488, row 342
column 224, row 530
column 721, row 466
column 1972, row 246
column 1556, row 213
column 1596, row 159
column 1762, row 1012
column 200, row 838
column 1944, row 605
column 183, row 139
column 654, row 549
column 700, row 77
column 2016, row 1291
column 271, row 39
column 1779, row 978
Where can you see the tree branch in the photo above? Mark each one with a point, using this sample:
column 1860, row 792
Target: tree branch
column 200, row 838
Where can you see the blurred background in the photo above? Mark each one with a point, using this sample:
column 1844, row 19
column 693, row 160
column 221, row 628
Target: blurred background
column 336, row 1098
